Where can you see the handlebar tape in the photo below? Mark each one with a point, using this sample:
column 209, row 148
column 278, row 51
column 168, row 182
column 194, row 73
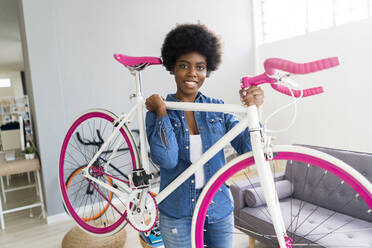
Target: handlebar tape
column 272, row 64
column 297, row 93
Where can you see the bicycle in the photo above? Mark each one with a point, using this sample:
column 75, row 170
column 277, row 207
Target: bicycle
column 128, row 199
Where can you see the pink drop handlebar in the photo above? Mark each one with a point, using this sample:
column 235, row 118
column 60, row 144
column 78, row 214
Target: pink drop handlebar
column 273, row 64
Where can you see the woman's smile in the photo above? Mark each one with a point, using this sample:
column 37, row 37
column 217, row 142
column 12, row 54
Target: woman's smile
column 191, row 84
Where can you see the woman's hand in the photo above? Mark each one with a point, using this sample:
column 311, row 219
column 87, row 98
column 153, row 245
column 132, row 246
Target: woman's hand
column 155, row 103
column 254, row 95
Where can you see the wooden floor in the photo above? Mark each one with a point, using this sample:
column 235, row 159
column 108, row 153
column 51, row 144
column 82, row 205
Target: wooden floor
column 24, row 231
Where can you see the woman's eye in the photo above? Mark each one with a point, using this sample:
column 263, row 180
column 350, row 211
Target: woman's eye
column 183, row 66
column 200, row 68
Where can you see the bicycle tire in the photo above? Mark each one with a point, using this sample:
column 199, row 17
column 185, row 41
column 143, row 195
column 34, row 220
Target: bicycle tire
column 95, row 209
column 349, row 179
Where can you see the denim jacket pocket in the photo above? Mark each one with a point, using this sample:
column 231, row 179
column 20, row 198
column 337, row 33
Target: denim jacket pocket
column 216, row 123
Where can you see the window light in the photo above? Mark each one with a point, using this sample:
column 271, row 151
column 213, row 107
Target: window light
column 281, row 19
column 5, row 82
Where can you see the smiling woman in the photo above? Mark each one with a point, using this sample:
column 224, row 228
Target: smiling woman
column 191, row 52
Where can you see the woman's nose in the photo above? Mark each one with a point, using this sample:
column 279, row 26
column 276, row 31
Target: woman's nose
column 192, row 71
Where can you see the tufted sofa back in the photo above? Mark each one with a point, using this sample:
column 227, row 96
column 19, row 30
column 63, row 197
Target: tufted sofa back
column 326, row 190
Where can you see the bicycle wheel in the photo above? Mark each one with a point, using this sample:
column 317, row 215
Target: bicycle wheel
column 339, row 216
column 94, row 208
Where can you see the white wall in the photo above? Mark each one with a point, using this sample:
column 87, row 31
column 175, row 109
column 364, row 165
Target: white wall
column 16, row 89
column 70, row 46
column 340, row 117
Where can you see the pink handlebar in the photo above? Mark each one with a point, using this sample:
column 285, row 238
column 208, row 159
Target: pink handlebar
column 289, row 66
column 273, row 64
column 297, row 93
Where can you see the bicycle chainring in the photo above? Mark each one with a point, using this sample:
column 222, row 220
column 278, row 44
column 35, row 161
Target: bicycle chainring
column 143, row 220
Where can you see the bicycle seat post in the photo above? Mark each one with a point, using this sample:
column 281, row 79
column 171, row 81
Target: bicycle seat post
column 141, row 123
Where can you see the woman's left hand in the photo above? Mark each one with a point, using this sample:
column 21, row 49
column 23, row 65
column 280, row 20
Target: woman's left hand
column 254, row 95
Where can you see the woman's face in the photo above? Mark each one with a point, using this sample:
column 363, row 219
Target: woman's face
column 190, row 72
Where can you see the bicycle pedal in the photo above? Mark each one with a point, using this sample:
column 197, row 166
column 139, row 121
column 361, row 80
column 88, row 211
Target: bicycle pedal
column 141, row 179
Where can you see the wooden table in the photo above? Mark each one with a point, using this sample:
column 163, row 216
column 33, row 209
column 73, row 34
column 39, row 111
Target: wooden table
column 18, row 166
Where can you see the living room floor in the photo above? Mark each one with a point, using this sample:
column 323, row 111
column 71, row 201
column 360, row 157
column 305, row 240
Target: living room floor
column 23, row 230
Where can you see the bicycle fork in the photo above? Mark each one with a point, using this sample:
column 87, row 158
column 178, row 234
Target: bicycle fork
column 266, row 178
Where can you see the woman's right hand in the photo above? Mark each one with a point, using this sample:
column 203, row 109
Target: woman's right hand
column 155, row 103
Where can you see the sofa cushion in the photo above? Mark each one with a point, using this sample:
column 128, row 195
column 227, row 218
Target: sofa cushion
column 254, row 197
column 327, row 190
column 257, row 220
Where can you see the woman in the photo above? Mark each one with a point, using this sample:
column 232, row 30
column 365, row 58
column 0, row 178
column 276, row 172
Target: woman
column 178, row 138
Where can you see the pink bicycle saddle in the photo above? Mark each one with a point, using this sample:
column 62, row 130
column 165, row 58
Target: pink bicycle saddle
column 133, row 61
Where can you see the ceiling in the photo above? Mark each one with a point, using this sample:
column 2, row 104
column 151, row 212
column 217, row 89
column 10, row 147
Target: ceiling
column 11, row 57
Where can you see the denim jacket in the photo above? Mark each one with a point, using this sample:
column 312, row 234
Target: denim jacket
column 173, row 156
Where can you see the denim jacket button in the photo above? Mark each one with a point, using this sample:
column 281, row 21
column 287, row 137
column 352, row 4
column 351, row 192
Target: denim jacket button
column 187, row 147
column 159, row 122
column 186, row 129
column 192, row 199
column 192, row 181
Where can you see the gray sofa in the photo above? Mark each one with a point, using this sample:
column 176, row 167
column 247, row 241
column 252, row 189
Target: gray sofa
column 321, row 197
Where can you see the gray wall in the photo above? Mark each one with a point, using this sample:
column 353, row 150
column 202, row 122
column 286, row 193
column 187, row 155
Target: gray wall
column 69, row 56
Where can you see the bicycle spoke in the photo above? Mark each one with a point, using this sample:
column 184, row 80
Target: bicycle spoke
column 254, row 188
column 326, row 219
column 268, row 236
column 303, row 191
column 317, row 207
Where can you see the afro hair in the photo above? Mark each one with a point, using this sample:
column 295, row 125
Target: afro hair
column 186, row 38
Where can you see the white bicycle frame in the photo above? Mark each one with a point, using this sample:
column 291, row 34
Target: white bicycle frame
column 251, row 120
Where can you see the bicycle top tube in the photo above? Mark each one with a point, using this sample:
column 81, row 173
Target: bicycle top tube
column 130, row 61
column 206, row 107
column 273, row 64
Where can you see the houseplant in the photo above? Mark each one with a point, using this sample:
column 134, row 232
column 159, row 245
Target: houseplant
column 30, row 152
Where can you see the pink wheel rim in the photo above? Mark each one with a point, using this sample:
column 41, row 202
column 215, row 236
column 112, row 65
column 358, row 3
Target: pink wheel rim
column 71, row 210
column 357, row 186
